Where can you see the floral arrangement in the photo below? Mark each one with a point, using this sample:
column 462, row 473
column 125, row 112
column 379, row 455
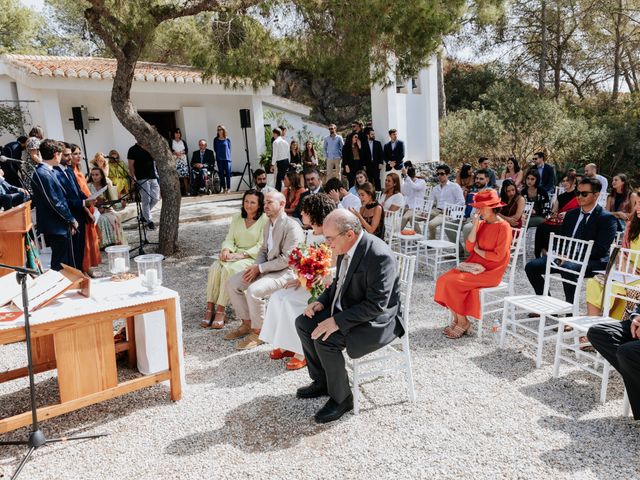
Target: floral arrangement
column 311, row 264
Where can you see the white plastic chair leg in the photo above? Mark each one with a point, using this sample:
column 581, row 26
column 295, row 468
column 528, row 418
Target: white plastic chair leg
column 541, row 325
column 408, row 369
column 605, row 382
column 559, row 343
column 505, row 315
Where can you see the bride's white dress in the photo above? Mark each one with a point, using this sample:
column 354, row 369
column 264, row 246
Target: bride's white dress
column 279, row 327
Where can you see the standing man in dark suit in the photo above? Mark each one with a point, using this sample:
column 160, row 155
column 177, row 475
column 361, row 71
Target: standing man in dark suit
column 314, row 185
column 546, row 171
column 373, row 158
column 619, row 343
column 76, row 201
column 13, row 150
column 55, row 220
column 394, row 152
column 201, row 158
column 358, row 312
column 589, row 222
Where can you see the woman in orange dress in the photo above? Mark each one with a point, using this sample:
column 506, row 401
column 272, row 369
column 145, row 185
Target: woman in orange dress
column 92, row 256
column 489, row 245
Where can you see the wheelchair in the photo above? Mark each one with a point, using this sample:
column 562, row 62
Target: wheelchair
column 203, row 181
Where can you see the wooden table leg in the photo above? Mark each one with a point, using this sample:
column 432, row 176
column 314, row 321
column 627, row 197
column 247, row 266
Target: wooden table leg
column 172, row 349
column 131, row 342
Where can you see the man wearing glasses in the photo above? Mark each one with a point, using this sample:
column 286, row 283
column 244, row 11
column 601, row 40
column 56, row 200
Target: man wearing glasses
column 332, row 146
column 446, row 192
column 588, row 222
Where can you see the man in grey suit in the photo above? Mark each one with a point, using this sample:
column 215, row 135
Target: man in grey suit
column 359, row 312
column 248, row 290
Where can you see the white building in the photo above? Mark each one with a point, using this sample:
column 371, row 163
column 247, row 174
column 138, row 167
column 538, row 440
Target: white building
column 167, row 96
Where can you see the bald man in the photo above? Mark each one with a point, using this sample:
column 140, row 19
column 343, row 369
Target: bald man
column 248, row 290
column 591, row 171
column 359, row 312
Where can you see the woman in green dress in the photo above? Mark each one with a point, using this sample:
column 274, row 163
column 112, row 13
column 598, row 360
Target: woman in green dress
column 237, row 252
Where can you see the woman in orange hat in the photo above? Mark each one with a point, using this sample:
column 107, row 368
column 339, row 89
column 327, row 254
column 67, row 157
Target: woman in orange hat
column 489, row 245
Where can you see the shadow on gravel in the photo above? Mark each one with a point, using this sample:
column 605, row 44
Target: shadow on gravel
column 265, row 424
column 431, row 338
column 606, row 447
column 507, row 364
column 238, row 370
column 574, row 394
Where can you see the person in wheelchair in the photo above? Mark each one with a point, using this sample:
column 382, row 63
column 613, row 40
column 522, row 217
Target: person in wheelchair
column 202, row 162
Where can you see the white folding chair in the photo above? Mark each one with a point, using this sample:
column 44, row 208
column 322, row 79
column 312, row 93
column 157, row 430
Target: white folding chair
column 569, row 343
column 392, row 227
column 619, row 237
column 395, row 357
column 443, row 250
column 546, row 306
column 420, row 216
column 602, row 199
column 526, row 216
column 492, row 298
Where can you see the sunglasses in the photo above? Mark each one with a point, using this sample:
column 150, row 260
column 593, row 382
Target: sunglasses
column 583, row 194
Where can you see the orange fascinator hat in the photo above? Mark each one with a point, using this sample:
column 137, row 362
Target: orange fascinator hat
column 487, row 199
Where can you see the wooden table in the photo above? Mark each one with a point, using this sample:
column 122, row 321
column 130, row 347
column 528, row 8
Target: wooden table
column 74, row 335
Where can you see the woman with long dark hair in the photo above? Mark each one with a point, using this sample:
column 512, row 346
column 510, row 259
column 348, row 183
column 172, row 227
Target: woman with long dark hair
column 620, row 200
column 309, row 157
column 109, row 227
column 237, row 252
column 562, row 204
column 371, row 213
column 513, row 172
column 514, row 204
column 464, row 178
column 534, row 193
column 292, row 191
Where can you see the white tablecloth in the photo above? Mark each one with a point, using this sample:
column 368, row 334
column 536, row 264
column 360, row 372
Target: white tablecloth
column 151, row 343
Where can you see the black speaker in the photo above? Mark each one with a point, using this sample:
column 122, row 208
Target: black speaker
column 245, row 118
column 80, row 118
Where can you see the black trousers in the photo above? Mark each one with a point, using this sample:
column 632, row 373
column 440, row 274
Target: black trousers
column 282, row 167
column 325, row 361
column 354, row 166
column 543, row 234
column 615, row 344
column 60, row 246
column 373, row 172
column 535, row 270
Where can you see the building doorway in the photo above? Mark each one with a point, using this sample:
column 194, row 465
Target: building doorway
column 165, row 122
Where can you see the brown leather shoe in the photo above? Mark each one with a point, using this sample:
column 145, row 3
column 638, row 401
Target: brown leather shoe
column 242, row 331
column 252, row 341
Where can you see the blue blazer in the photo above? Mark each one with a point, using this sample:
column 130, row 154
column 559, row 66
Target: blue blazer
column 396, row 154
column 601, row 228
column 74, row 195
column 6, row 188
column 548, row 179
column 54, row 216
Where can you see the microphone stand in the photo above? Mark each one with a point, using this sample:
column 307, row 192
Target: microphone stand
column 37, row 437
column 142, row 226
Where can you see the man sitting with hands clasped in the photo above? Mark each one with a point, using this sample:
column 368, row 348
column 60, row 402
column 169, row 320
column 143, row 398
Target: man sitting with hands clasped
column 359, row 312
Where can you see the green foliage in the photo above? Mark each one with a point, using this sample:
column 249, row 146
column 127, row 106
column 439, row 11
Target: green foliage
column 465, row 84
column 11, row 119
column 21, row 29
column 469, row 134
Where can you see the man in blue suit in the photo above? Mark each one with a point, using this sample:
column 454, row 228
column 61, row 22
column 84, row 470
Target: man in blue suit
column 546, row 172
column 55, row 220
column 11, row 196
column 394, row 152
column 76, row 200
column 588, row 222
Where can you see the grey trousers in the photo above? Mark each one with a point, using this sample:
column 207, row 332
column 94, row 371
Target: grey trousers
column 149, row 196
column 325, row 360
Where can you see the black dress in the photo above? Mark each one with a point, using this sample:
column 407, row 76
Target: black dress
column 379, row 232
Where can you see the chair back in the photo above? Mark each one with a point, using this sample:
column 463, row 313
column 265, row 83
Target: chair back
column 624, row 271
column 422, row 213
column 406, row 268
column 514, row 251
column 391, row 224
column 526, row 215
column 619, row 237
column 453, row 217
column 563, row 250
column 602, row 199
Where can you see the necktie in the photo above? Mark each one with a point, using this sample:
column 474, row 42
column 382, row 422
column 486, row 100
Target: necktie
column 581, row 226
column 344, row 266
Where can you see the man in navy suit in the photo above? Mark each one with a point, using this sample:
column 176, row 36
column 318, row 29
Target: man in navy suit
column 11, row 196
column 55, row 220
column 373, row 158
column 201, row 158
column 546, row 172
column 394, row 152
column 76, row 200
column 589, row 222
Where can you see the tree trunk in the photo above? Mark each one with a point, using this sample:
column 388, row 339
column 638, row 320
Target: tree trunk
column 543, row 45
column 442, row 96
column 557, row 67
column 159, row 149
column 617, row 52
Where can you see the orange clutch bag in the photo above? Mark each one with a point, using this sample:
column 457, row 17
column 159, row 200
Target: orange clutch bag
column 408, row 232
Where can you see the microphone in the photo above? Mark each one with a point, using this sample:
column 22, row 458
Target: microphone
column 8, row 159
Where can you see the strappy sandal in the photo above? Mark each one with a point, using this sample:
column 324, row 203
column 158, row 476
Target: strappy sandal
column 457, row 332
column 216, row 323
column 207, row 320
column 448, row 328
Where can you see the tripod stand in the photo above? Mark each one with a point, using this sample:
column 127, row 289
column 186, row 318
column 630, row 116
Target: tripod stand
column 247, row 165
column 36, row 438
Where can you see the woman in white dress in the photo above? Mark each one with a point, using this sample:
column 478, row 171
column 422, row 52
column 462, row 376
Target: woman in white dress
column 288, row 304
column 392, row 198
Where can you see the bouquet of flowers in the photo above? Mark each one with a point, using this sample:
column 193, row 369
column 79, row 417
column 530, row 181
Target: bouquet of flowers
column 311, row 264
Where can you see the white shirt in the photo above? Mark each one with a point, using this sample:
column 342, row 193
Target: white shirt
column 266, row 189
column 280, row 149
column 350, row 253
column 450, row 193
column 350, row 201
column 603, row 181
column 580, row 217
column 413, row 191
column 395, row 199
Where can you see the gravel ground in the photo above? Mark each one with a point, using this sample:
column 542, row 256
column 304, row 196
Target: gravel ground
column 480, row 413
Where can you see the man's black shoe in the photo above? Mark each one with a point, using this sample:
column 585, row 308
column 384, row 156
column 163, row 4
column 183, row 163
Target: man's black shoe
column 151, row 226
column 333, row 410
column 314, row 390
